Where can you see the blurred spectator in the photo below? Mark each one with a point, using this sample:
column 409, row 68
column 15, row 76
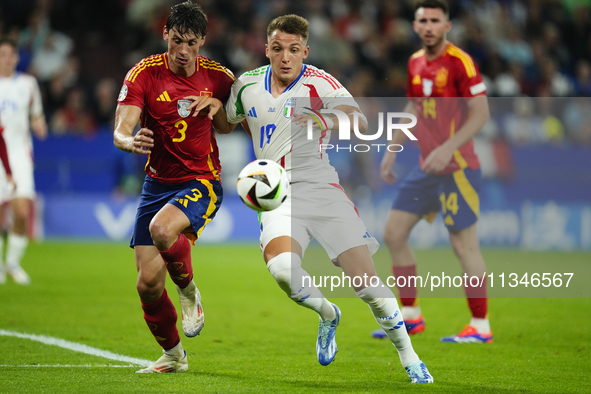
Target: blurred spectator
column 105, row 96
column 533, row 29
column 509, row 84
column 553, row 82
column 52, row 56
column 553, row 128
column 555, row 47
column 74, row 117
column 582, row 81
column 577, row 119
column 514, row 49
column 523, row 126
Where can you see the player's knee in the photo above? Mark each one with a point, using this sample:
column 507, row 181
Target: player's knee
column 280, row 267
column 20, row 219
column 394, row 238
column 149, row 290
column 461, row 248
column 162, row 235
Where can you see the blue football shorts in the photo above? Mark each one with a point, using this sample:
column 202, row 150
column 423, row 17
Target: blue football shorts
column 199, row 199
column 455, row 195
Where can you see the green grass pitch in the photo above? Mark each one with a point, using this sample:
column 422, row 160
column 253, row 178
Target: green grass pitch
column 256, row 340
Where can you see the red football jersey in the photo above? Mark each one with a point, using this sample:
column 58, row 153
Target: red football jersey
column 454, row 76
column 184, row 146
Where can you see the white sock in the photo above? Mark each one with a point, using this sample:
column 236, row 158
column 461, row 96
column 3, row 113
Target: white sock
column 384, row 307
column 411, row 312
column 176, row 351
column 17, row 244
column 481, row 325
column 287, row 270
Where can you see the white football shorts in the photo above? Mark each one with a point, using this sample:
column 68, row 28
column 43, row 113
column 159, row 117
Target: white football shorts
column 22, row 173
column 320, row 211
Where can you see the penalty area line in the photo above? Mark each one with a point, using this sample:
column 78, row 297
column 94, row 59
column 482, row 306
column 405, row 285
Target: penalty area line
column 76, row 347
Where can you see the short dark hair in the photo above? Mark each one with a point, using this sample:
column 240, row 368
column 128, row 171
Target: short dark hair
column 290, row 24
column 4, row 40
column 187, row 17
column 441, row 4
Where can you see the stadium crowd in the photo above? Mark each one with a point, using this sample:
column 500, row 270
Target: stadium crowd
column 79, row 51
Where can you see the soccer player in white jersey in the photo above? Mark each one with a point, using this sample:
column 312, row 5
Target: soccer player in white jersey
column 264, row 101
column 20, row 111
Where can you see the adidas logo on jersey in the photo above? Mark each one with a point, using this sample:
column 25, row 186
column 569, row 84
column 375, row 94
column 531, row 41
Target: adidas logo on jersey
column 252, row 113
column 163, row 97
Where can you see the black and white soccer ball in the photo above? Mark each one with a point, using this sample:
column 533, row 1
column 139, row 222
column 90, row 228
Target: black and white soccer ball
column 263, row 185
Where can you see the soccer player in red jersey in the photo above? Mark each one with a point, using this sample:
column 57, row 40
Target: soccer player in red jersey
column 182, row 190
column 448, row 97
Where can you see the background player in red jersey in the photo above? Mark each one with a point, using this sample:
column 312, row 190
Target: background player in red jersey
column 448, row 178
column 11, row 186
column 182, row 190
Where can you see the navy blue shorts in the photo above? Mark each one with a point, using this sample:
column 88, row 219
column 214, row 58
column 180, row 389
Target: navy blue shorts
column 199, row 199
column 455, row 195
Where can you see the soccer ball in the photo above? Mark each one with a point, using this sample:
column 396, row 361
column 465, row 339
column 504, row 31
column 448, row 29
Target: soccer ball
column 263, row 185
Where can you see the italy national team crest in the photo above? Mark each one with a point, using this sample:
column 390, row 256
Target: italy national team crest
column 427, row 87
column 289, row 108
column 182, row 108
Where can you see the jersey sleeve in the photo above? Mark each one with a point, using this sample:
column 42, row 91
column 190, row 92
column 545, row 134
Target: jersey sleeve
column 133, row 91
column 225, row 81
column 36, row 106
column 332, row 92
column 470, row 82
column 234, row 108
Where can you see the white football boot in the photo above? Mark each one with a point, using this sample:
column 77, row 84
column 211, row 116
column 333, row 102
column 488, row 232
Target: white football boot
column 192, row 311
column 173, row 360
column 19, row 275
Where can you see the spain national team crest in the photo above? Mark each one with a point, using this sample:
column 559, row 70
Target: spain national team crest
column 427, row 87
column 289, row 108
column 441, row 78
column 182, row 108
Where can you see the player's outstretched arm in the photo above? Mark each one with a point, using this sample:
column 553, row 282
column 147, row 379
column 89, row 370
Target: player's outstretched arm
column 399, row 138
column 440, row 157
column 332, row 122
column 214, row 109
column 126, row 117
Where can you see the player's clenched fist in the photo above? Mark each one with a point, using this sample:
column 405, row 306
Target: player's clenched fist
column 143, row 141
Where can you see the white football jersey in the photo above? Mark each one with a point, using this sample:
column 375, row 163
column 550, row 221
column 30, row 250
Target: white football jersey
column 274, row 136
column 20, row 99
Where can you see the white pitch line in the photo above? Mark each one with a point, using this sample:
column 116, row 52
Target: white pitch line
column 67, row 366
column 77, row 347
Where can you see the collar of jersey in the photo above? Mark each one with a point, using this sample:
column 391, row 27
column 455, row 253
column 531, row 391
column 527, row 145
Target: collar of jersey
column 268, row 79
